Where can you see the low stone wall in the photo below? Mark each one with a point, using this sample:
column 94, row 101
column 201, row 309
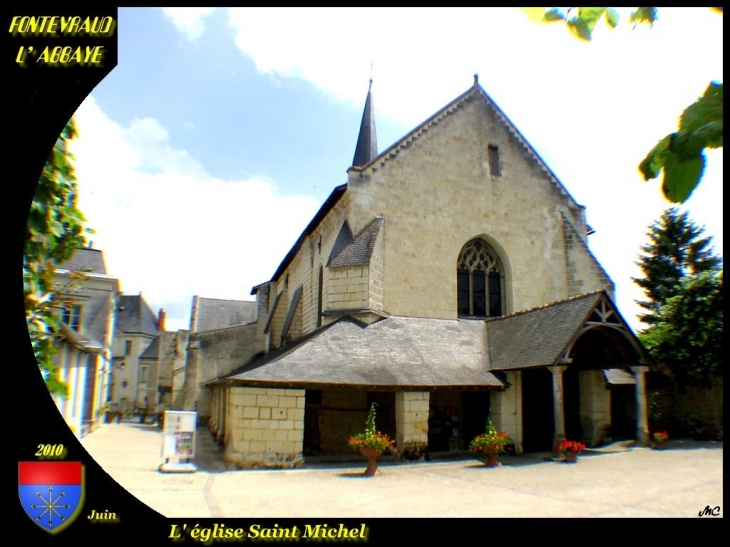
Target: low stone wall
column 692, row 410
column 264, row 427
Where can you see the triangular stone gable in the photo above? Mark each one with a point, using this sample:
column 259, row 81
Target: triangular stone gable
column 476, row 92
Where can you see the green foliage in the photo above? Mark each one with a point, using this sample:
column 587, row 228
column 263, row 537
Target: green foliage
column 687, row 335
column 371, row 437
column 491, row 441
column 679, row 156
column 676, row 250
column 582, row 21
column 55, row 230
column 683, row 280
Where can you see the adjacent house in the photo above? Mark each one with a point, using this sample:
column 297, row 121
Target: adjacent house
column 449, row 279
column 84, row 353
column 135, row 381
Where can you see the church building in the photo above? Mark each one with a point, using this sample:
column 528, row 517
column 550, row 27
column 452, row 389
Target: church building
column 448, row 280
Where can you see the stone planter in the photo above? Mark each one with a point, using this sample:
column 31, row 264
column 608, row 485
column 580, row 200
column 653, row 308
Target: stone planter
column 372, row 455
column 571, row 457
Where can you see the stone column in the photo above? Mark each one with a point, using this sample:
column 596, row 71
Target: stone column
column 642, row 414
column 558, row 411
column 411, row 422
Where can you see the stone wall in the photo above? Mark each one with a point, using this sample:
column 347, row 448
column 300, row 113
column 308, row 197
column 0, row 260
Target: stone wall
column 264, row 427
column 347, row 288
column 214, row 354
column 436, row 193
column 506, row 409
column 693, row 409
column 411, row 415
column 595, row 406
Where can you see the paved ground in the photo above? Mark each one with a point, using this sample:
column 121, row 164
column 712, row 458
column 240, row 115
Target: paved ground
column 617, row 481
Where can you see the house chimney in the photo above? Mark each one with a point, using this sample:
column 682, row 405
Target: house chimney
column 161, row 320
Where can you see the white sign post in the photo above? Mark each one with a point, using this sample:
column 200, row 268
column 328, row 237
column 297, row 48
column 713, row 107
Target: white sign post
column 178, row 441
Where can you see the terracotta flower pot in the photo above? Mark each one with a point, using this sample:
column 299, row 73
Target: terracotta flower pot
column 571, row 457
column 372, row 455
column 492, row 459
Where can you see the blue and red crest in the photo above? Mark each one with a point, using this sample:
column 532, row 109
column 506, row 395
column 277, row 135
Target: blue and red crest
column 51, row 493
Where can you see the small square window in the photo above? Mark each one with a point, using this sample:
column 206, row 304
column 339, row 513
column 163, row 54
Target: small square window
column 494, row 160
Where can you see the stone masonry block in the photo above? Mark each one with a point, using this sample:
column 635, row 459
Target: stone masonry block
column 295, row 414
column 267, row 400
column 250, row 412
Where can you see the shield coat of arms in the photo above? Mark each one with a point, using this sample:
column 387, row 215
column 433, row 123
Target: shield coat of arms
column 51, row 493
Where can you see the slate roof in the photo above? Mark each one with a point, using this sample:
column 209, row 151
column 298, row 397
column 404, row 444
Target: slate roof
column 292, row 310
column 349, row 251
column 152, row 351
column 134, row 315
column 82, row 342
column 272, row 312
column 367, row 140
column 215, row 313
column 89, row 260
column 397, row 351
column 327, row 206
column 619, row 377
column 537, row 337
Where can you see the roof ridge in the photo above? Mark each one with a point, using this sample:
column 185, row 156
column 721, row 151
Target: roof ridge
column 224, row 299
column 405, row 142
column 415, row 133
column 545, row 306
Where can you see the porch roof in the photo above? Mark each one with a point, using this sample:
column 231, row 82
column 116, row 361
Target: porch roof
column 538, row 336
column 394, row 352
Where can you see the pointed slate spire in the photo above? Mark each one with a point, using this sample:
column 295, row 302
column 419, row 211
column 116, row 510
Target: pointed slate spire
column 367, row 140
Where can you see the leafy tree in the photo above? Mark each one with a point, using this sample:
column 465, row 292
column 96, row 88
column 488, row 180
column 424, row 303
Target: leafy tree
column 680, row 155
column 55, row 230
column 687, row 334
column 677, row 251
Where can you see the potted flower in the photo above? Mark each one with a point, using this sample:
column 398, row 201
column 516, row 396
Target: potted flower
column 570, row 450
column 372, row 443
column 491, row 444
column 660, row 439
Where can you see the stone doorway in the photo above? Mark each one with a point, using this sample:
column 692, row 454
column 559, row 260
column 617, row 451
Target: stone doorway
column 538, row 420
column 623, row 412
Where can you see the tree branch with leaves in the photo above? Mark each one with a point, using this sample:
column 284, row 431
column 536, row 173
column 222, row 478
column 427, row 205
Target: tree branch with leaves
column 54, row 231
column 680, row 156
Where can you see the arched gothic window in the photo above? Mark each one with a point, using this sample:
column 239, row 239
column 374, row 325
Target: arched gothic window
column 479, row 276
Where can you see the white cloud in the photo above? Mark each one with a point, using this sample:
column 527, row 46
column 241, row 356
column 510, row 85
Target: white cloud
column 189, row 21
column 169, row 229
column 592, row 110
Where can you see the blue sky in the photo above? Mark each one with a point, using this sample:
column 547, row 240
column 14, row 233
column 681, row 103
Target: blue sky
column 210, row 146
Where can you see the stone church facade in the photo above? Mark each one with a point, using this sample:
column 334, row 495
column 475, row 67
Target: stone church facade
column 448, row 280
